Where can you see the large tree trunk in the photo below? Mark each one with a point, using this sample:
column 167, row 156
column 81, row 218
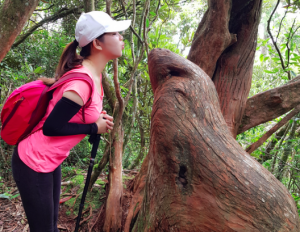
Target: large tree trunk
column 13, row 16
column 233, row 72
column 212, row 36
column 137, row 189
column 199, row 178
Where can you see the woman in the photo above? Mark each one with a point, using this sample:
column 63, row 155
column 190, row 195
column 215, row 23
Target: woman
column 36, row 160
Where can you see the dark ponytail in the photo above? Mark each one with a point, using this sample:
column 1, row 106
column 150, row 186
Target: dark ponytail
column 68, row 60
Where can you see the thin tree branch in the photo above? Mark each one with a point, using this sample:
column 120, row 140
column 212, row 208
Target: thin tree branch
column 259, row 142
column 44, row 8
column 156, row 13
column 136, row 34
column 281, row 23
column 288, row 49
column 60, row 14
column 132, row 25
column 108, row 87
column 270, row 34
column 147, row 6
column 118, row 91
column 133, row 20
column 278, row 146
column 133, row 75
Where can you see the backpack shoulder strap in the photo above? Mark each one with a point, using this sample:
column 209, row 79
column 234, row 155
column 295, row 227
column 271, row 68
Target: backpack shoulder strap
column 73, row 76
column 76, row 76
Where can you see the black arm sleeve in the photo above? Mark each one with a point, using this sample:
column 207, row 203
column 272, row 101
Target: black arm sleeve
column 57, row 123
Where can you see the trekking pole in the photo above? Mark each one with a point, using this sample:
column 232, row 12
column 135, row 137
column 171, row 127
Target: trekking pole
column 95, row 140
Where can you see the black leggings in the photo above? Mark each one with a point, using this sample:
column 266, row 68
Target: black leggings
column 40, row 194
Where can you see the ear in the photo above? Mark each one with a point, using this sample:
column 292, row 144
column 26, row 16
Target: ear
column 97, row 45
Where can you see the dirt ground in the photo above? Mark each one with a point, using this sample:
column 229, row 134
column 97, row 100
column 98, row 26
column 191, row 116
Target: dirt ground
column 13, row 218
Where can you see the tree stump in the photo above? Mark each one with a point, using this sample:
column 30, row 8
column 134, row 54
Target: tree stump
column 199, row 178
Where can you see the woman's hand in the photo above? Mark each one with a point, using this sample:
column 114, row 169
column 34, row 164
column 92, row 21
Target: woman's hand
column 104, row 123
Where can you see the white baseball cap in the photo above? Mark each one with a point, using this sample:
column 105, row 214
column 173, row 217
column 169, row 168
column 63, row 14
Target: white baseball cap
column 95, row 23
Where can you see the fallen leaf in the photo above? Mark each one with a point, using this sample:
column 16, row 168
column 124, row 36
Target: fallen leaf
column 26, row 228
column 61, row 227
column 64, row 199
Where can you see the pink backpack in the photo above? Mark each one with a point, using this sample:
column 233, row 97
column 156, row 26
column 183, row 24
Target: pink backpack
column 27, row 105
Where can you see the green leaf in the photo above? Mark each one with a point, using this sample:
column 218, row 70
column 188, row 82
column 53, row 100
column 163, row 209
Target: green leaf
column 276, row 59
column 152, row 13
column 293, row 46
column 5, row 196
column 267, row 164
column 286, row 53
column 165, row 6
column 261, row 57
column 147, row 22
column 37, row 70
column 14, row 196
column 275, row 70
column 123, row 88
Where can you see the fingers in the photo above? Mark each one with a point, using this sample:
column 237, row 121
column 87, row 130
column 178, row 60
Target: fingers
column 108, row 120
column 108, row 117
column 109, row 125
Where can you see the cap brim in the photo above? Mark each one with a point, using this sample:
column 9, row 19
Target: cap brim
column 118, row 26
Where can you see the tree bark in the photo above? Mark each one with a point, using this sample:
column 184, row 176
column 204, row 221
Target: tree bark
column 199, row 178
column 113, row 215
column 233, row 74
column 229, row 66
column 137, row 190
column 264, row 107
column 13, row 16
column 212, row 36
column 89, row 5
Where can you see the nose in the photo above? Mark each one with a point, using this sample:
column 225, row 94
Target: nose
column 120, row 36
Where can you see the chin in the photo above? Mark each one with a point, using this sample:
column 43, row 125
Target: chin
column 114, row 56
column 120, row 54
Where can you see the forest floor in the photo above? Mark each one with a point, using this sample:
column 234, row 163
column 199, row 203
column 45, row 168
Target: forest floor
column 13, row 218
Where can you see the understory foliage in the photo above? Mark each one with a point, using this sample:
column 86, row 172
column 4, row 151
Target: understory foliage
column 170, row 25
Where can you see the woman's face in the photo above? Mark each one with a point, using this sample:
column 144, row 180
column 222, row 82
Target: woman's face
column 112, row 45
